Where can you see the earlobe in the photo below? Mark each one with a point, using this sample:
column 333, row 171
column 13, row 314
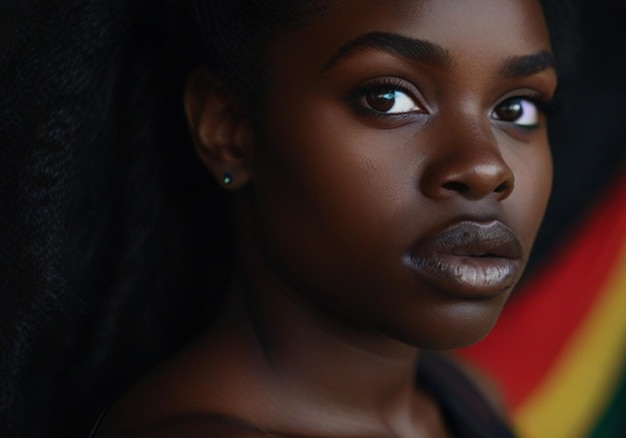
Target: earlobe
column 220, row 128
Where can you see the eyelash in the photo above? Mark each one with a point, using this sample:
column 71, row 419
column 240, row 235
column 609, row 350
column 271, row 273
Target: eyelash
column 543, row 106
column 383, row 84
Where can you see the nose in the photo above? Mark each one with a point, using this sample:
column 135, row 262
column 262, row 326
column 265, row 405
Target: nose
column 471, row 167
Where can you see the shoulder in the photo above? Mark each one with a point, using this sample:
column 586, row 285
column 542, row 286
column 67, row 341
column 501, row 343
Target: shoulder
column 192, row 426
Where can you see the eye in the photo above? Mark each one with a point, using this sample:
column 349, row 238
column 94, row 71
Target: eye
column 389, row 101
column 518, row 110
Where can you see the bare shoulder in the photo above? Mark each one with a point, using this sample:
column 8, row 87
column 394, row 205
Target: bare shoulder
column 193, row 426
column 189, row 395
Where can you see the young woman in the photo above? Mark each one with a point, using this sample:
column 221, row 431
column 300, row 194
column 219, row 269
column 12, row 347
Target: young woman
column 388, row 167
column 382, row 167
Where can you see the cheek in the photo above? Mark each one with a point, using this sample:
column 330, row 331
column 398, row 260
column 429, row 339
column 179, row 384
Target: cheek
column 329, row 168
column 331, row 195
column 533, row 183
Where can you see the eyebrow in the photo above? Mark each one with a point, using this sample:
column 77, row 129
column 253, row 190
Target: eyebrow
column 528, row 65
column 418, row 50
column 428, row 52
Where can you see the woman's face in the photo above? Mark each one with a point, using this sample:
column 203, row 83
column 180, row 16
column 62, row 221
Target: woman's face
column 403, row 166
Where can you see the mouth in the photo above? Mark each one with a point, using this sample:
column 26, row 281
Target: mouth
column 470, row 259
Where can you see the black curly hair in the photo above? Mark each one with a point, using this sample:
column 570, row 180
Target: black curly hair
column 114, row 241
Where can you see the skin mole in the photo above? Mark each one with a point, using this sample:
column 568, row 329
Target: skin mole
column 385, row 196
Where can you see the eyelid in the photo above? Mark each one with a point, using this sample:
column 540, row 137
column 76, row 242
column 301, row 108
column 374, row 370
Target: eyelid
column 543, row 105
column 389, row 82
column 543, row 102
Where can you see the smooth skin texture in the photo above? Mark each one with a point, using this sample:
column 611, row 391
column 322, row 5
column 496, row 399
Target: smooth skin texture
column 387, row 124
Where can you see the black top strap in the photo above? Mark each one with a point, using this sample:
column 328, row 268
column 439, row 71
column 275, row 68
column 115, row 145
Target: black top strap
column 465, row 409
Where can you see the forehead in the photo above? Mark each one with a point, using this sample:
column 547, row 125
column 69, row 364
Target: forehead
column 464, row 27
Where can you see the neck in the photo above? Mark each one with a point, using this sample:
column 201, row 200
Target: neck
column 313, row 358
column 306, row 367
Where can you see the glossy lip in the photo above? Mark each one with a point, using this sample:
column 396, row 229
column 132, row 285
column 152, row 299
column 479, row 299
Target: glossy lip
column 469, row 259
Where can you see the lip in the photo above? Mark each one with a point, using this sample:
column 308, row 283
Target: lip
column 469, row 259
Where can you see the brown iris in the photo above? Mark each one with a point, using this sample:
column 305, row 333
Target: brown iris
column 381, row 100
column 510, row 110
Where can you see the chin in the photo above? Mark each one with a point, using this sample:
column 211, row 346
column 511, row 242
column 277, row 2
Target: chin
column 452, row 325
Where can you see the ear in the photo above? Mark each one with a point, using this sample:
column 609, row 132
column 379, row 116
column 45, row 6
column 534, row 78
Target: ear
column 221, row 130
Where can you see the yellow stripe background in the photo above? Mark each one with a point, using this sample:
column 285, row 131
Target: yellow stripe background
column 572, row 394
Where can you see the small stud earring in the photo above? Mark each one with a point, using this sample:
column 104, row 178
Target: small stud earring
column 228, row 178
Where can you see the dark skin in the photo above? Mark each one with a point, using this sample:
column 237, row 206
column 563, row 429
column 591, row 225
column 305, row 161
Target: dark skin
column 365, row 158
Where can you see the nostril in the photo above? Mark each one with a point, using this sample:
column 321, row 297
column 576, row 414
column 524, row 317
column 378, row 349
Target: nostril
column 456, row 186
column 502, row 187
